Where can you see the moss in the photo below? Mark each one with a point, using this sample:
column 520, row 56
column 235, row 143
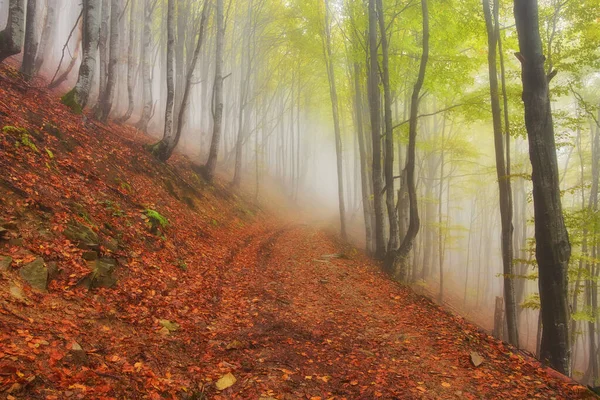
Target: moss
column 70, row 101
column 155, row 220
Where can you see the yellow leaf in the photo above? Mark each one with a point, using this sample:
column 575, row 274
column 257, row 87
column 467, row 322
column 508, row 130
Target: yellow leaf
column 226, row 381
column 421, row 388
column 446, row 384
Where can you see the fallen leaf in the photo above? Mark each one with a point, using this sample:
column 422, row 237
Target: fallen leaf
column 226, row 381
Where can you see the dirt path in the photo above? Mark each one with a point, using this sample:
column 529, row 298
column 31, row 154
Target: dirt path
column 295, row 323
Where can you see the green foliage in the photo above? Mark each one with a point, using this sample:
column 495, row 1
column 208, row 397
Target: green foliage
column 531, row 302
column 155, row 220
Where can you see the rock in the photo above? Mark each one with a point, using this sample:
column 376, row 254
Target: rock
column 235, row 345
column 90, row 255
column 171, row 326
column 16, row 292
column 36, row 274
column 78, row 355
column 101, row 275
column 53, row 270
column 112, row 245
column 10, row 225
column 82, row 235
column 16, row 242
column 476, row 359
column 5, row 262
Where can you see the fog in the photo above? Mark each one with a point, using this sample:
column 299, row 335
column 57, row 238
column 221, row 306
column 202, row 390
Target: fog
column 278, row 104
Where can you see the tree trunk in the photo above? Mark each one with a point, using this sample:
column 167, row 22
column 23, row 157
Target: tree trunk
column 400, row 256
column 503, row 179
column 131, row 64
column 364, row 173
column 48, row 32
column 142, row 124
column 105, row 102
column 375, row 111
column 213, row 154
column 11, row 38
column 31, row 41
column 164, row 149
column 389, row 134
column 77, row 99
column 103, row 48
column 336, row 121
column 553, row 249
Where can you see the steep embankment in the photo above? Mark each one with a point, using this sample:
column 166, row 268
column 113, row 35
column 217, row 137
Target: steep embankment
column 221, row 292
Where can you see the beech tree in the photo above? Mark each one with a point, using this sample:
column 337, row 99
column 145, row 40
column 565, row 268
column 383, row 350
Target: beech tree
column 11, row 37
column 77, row 98
column 552, row 241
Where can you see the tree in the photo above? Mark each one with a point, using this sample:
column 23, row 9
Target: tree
column 31, row 41
column 211, row 163
column 396, row 261
column 11, row 37
column 105, row 101
column 552, row 241
column 336, row 118
column 164, row 149
column 147, row 101
column 48, row 33
column 504, row 187
column 78, row 97
column 375, row 111
column 389, row 133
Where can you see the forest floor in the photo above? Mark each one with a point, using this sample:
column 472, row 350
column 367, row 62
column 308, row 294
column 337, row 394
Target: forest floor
column 207, row 295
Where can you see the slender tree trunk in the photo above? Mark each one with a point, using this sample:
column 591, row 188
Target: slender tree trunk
column 400, row 256
column 389, row 134
column 131, row 63
column 77, row 99
column 159, row 151
column 503, row 179
column 213, row 154
column 47, row 38
column 164, row 149
column 31, row 41
column 375, row 111
column 11, row 38
column 148, row 102
column 364, row 177
column 553, row 249
column 336, row 121
column 106, row 99
column 103, row 48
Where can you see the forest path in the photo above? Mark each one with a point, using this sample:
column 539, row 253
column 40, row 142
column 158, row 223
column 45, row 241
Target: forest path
column 296, row 320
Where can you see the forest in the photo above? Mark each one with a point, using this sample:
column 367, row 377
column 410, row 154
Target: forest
column 455, row 142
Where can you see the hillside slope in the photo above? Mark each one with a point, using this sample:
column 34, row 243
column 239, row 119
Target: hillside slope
column 153, row 284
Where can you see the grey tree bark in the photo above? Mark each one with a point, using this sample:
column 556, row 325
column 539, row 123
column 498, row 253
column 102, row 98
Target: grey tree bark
column 375, row 111
column 504, row 187
column 553, row 249
column 147, row 100
column 77, row 99
column 30, row 47
column 11, row 38
column 164, row 149
column 131, row 63
column 336, row 120
column 48, row 32
column 106, row 99
column 389, row 134
column 400, row 256
column 211, row 163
